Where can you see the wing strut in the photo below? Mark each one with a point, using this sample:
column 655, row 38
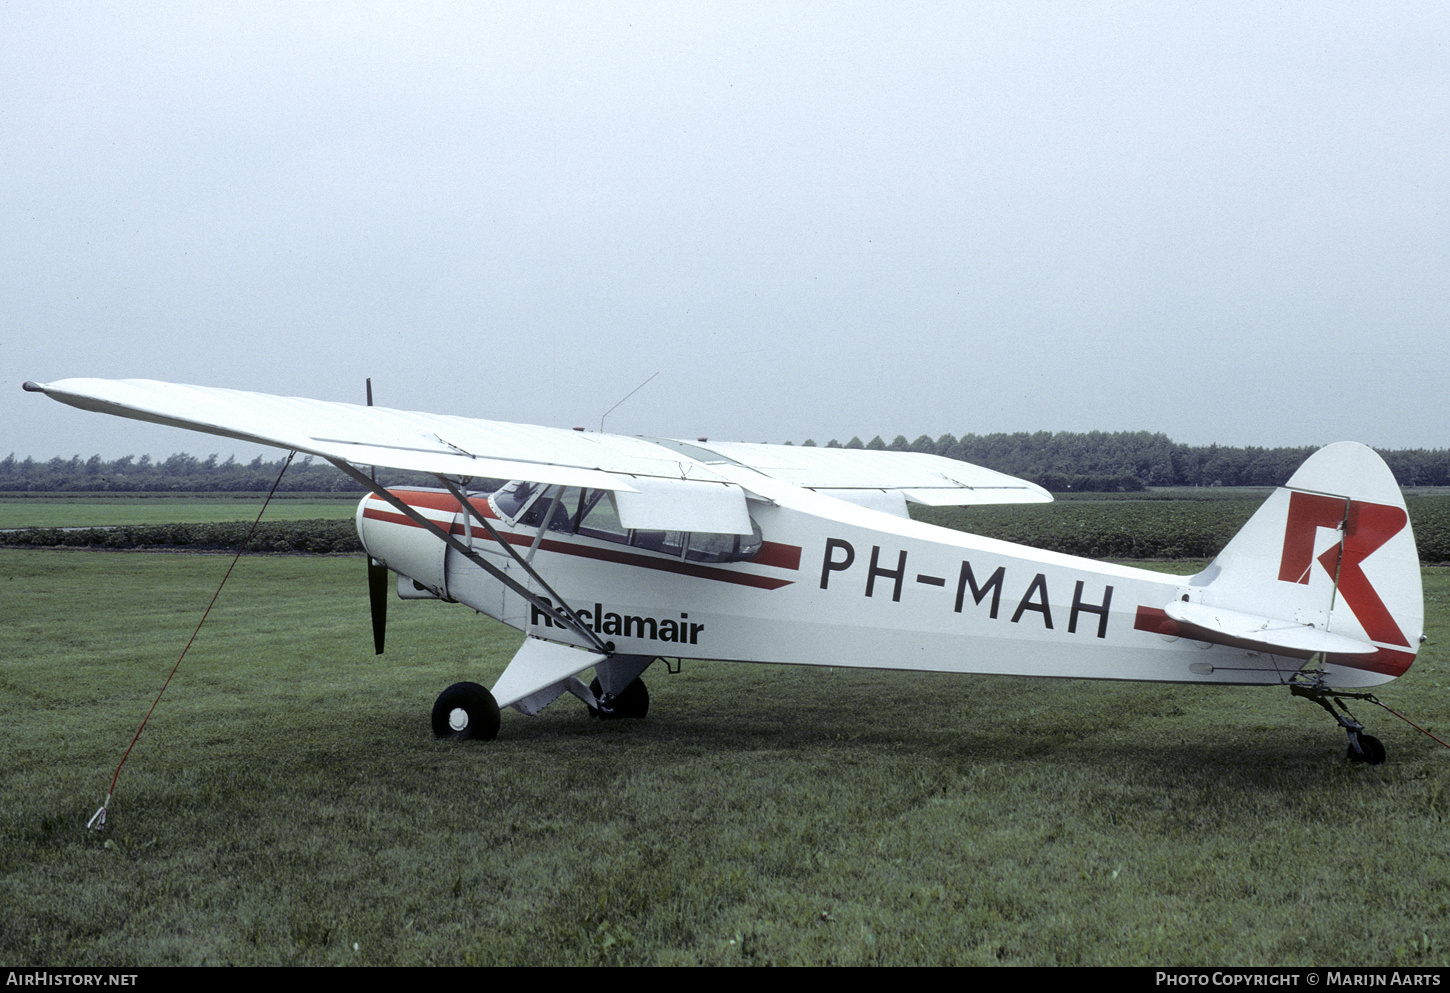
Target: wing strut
column 473, row 512
column 533, row 598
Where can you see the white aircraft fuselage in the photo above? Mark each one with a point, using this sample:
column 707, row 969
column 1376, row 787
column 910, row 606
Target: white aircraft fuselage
column 836, row 584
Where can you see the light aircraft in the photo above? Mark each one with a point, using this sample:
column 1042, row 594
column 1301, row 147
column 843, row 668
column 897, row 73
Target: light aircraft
column 610, row 552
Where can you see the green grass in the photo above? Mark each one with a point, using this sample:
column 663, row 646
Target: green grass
column 289, row 805
column 54, row 511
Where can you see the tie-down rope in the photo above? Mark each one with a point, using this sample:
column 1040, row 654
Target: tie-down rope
column 98, row 819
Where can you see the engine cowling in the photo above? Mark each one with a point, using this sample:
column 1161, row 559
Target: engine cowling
column 403, row 545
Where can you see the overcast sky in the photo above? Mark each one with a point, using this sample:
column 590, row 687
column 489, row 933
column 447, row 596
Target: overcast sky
column 1226, row 222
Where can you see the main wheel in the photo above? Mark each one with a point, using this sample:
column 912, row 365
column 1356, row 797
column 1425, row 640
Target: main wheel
column 465, row 710
column 1371, row 750
column 633, row 702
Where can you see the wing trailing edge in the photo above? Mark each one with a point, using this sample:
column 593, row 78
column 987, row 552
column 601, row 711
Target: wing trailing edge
column 917, row 477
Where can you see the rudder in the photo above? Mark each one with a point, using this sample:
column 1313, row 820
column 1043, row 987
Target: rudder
column 1332, row 549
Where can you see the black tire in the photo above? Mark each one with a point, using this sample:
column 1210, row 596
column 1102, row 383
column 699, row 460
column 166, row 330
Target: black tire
column 1372, row 750
column 465, row 710
column 632, row 703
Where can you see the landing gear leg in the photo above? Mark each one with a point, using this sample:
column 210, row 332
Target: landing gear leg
column 1362, row 747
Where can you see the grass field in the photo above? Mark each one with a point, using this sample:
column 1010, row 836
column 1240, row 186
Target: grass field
column 289, row 805
column 89, row 511
column 1104, row 528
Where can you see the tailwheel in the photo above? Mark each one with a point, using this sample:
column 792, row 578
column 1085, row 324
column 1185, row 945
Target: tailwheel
column 632, row 702
column 1365, row 748
column 465, row 710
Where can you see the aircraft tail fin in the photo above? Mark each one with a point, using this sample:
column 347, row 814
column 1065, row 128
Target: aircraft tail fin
column 1328, row 565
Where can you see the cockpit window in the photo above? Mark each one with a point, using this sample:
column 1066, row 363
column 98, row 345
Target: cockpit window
column 511, row 498
column 599, row 519
column 705, row 547
column 592, row 513
column 526, row 504
column 562, row 508
column 669, row 542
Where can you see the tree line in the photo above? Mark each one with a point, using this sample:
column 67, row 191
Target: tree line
column 1104, row 461
column 1061, row 461
column 184, row 473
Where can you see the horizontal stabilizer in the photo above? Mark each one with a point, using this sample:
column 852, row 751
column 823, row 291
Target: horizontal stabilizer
column 538, row 664
column 1267, row 631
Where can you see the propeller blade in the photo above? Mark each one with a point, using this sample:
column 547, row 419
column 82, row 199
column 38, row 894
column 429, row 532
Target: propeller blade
column 378, row 597
column 377, row 576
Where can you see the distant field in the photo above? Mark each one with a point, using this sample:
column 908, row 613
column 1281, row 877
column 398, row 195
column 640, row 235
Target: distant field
column 1218, row 493
column 288, row 804
column 58, row 511
column 1158, row 529
column 1194, row 527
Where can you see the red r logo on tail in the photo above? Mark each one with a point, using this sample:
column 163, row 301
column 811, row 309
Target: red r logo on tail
column 1367, row 526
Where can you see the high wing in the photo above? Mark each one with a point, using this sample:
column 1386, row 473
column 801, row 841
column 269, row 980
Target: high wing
column 645, row 478
column 920, row 478
column 657, row 484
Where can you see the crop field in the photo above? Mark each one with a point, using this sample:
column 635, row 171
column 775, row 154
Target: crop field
column 1197, row 526
column 89, row 510
column 289, row 805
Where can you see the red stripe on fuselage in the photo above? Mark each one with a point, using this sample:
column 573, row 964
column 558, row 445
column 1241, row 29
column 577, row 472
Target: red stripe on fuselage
column 1384, row 660
column 780, row 556
column 430, row 500
column 1156, row 620
column 607, row 554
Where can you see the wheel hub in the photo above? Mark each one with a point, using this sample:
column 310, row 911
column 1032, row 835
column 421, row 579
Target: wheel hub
column 458, row 719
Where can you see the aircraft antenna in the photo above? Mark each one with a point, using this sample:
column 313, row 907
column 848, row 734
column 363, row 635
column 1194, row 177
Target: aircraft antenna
column 622, row 399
